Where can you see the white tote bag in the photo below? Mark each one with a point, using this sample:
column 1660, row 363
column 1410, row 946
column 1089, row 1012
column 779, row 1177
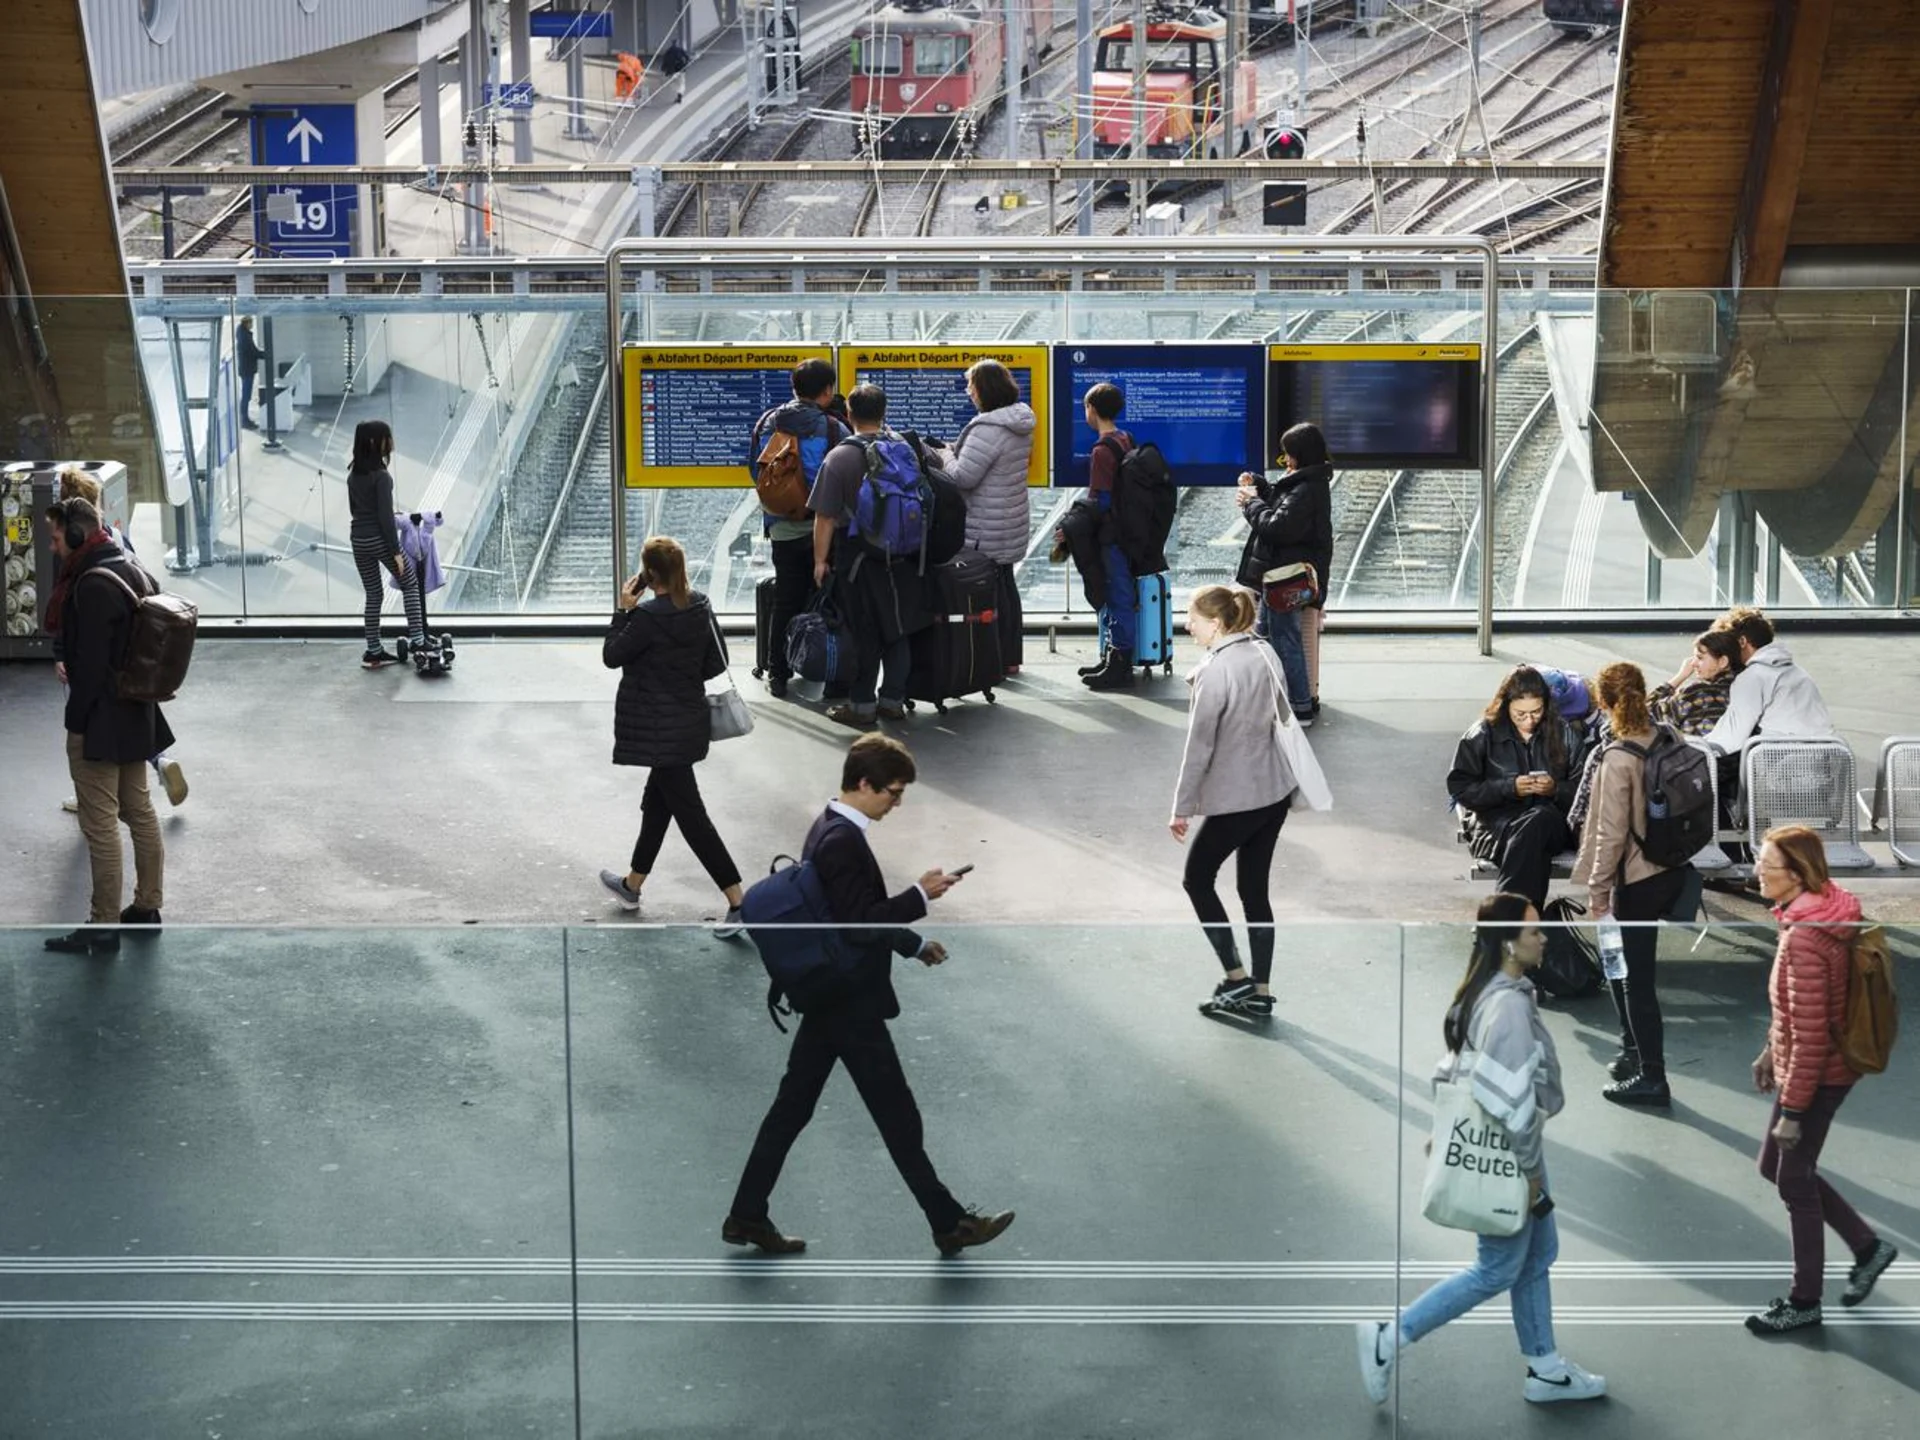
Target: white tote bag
column 1310, row 781
column 1474, row 1181
column 727, row 714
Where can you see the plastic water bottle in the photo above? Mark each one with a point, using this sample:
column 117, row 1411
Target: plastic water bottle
column 1613, row 948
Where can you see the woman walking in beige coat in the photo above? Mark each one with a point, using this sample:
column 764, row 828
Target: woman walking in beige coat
column 1235, row 774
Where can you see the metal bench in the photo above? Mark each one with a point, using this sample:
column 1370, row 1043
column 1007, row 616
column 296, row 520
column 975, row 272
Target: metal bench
column 1893, row 809
column 1804, row 782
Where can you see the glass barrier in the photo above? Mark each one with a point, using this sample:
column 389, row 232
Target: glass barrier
column 1654, row 450
column 423, row 1179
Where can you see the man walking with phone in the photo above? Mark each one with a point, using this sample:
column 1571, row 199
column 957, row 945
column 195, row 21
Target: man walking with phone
column 852, row 1028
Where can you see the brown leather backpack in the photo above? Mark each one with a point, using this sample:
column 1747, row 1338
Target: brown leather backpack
column 160, row 633
column 1866, row 1033
column 780, row 479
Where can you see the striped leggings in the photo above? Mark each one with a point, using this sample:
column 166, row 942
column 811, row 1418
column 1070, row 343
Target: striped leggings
column 370, row 558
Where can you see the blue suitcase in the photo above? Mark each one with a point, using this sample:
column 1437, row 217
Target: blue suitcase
column 1154, row 642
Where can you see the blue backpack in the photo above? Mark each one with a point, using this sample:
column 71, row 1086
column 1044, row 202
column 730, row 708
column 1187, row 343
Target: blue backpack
column 807, row 961
column 890, row 512
column 820, row 643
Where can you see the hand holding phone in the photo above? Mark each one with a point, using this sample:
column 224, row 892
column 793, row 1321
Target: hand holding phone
column 959, row 870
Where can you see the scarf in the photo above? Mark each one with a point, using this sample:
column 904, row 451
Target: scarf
column 70, row 569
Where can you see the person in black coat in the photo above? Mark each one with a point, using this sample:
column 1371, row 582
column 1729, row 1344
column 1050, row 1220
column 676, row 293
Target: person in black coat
column 1290, row 519
column 851, row 1029
column 246, row 360
column 109, row 739
column 666, row 648
column 1513, row 780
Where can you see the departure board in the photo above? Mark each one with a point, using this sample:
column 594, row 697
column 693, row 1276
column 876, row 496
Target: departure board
column 926, row 387
column 1201, row 404
column 691, row 408
column 1380, row 406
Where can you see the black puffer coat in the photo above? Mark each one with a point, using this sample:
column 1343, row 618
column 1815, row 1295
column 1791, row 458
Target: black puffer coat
column 1291, row 519
column 665, row 656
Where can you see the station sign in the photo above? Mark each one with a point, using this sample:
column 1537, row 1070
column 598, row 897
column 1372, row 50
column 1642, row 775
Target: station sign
column 570, row 25
column 304, row 220
column 691, row 409
column 926, row 388
column 515, row 95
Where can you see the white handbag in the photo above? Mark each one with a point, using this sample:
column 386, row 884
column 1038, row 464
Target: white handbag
column 727, row 714
column 1310, row 781
column 1474, row 1181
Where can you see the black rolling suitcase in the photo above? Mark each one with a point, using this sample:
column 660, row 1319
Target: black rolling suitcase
column 763, row 638
column 959, row 654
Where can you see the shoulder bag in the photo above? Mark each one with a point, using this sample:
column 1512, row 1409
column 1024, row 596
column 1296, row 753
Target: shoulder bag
column 1473, row 1180
column 727, row 712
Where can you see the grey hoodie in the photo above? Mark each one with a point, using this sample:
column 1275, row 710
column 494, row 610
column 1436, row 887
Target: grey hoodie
column 1772, row 698
column 989, row 462
column 1511, row 1064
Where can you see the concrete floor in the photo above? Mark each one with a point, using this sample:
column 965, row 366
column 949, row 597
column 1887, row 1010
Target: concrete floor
column 325, row 795
column 316, row 1184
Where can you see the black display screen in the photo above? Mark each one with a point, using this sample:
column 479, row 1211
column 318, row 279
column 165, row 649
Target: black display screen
column 1419, row 407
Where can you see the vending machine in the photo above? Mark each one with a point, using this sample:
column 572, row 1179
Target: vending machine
column 27, row 488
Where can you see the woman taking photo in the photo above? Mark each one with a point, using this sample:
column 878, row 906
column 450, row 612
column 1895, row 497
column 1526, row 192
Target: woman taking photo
column 1234, row 773
column 376, row 541
column 1695, row 699
column 1290, row 520
column 1622, row 882
column 1802, row 1068
column 666, row 646
column 1497, row 1043
column 988, row 461
column 1513, row 780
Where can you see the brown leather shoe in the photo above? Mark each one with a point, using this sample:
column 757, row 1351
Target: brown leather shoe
column 973, row 1229
column 764, row 1235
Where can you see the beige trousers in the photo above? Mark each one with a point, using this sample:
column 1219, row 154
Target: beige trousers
column 108, row 795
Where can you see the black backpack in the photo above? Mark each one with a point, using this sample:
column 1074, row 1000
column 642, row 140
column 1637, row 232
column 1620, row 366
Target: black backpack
column 1680, row 818
column 947, row 512
column 1570, row 968
column 1144, row 499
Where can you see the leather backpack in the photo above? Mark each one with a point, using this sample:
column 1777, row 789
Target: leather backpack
column 160, row 634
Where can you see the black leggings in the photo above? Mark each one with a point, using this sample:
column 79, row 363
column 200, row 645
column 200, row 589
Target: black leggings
column 370, row 558
column 672, row 797
column 1636, row 999
column 1249, row 836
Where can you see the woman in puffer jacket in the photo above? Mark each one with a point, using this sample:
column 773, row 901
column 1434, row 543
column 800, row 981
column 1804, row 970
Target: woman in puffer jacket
column 989, row 461
column 1803, row 1068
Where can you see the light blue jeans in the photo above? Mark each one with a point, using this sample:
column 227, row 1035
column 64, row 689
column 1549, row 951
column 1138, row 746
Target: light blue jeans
column 1517, row 1264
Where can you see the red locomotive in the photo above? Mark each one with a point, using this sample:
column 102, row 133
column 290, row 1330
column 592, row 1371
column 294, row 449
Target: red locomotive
column 1185, row 90
column 926, row 72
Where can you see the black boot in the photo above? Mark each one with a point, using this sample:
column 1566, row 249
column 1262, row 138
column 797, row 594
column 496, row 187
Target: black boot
column 1116, row 674
column 1625, row 1065
column 92, row 940
column 1097, row 666
column 1649, row 1087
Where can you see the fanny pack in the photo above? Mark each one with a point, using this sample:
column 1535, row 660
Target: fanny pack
column 1289, row 587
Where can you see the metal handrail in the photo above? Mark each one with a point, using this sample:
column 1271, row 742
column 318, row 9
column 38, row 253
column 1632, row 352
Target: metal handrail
column 840, row 253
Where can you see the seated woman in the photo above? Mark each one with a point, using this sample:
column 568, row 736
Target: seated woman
column 1695, row 699
column 1513, row 780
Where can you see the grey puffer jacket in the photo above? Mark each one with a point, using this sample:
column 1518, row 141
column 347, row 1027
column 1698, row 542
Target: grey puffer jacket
column 989, row 463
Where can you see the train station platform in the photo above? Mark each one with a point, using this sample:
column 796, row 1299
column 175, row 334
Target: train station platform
column 325, row 795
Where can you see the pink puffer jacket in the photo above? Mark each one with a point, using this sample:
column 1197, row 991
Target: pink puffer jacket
column 1809, row 993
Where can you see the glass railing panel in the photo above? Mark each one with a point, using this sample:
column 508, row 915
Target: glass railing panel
column 1208, row 1202
column 260, row 1182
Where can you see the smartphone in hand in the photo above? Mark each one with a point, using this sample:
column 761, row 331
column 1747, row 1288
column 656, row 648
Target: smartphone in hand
column 960, row 870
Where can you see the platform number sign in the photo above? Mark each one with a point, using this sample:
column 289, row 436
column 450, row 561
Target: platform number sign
column 304, row 220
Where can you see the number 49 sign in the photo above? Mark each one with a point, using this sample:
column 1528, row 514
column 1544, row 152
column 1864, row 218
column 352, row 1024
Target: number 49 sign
column 305, row 220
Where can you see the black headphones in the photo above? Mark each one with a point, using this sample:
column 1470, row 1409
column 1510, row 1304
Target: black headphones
column 71, row 533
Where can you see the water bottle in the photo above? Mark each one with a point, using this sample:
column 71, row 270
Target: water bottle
column 1613, row 948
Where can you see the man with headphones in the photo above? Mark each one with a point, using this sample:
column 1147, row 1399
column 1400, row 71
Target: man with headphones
column 109, row 739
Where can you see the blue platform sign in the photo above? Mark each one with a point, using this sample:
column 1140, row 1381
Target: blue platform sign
column 304, row 220
column 570, row 25
column 514, row 95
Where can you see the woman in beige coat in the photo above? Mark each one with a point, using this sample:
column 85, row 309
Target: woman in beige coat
column 1622, row 882
column 1234, row 773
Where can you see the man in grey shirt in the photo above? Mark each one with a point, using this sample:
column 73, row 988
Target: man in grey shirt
column 883, row 602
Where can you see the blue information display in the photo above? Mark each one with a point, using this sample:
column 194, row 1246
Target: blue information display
column 312, row 219
column 1201, row 404
column 570, row 24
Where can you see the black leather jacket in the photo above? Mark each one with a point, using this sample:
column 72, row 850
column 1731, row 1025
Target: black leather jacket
column 1490, row 758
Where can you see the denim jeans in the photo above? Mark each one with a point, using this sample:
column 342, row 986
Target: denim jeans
column 1120, row 617
column 1517, row 1264
column 1282, row 629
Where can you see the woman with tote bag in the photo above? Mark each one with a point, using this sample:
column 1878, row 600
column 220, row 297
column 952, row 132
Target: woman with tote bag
column 1501, row 1054
column 666, row 646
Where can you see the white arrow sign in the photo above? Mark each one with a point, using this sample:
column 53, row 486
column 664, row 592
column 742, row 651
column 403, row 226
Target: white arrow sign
column 306, row 132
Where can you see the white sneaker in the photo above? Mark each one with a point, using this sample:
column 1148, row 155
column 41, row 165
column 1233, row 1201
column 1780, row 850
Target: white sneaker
column 71, row 805
column 1376, row 1358
column 730, row 927
column 175, row 781
column 1573, row 1384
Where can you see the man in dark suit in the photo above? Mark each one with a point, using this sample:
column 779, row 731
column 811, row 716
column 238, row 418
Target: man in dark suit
column 852, row 1029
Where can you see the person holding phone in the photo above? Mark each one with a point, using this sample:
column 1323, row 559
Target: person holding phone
column 1289, row 514
column 1495, row 1036
column 852, row 1030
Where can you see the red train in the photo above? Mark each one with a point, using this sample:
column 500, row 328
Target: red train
column 926, row 72
column 1185, row 93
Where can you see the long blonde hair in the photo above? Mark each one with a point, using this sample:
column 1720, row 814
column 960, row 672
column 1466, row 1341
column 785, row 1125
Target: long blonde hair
column 663, row 565
column 1229, row 608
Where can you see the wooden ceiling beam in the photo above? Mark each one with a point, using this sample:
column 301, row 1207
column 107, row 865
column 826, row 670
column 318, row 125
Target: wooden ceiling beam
column 1789, row 95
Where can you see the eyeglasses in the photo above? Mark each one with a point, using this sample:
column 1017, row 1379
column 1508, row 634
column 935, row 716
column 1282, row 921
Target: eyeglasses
column 897, row 792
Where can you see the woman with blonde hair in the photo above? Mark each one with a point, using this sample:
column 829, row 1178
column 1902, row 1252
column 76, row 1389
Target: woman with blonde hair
column 666, row 647
column 1622, row 882
column 1234, row 772
column 1808, row 1077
